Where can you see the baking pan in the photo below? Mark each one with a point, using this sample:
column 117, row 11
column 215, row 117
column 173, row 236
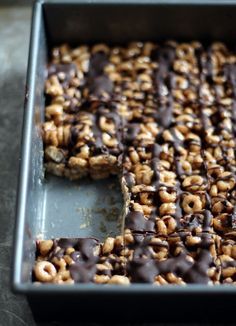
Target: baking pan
column 50, row 207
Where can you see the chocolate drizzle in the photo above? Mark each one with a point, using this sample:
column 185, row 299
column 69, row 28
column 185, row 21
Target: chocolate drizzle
column 232, row 219
column 163, row 81
column 198, row 272
column 64, row 72
column 205, row 74
column 129, row 179
column 131, row 133
column 83, row 272
column 98, row 82
column 156, row 151
column 137, row 222
column 230, row 72
column 145, row 268
column 84, row 247
column 156, row 125
column 176, row 143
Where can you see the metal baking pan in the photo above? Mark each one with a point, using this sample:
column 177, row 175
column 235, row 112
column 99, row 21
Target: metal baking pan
column 50, row 207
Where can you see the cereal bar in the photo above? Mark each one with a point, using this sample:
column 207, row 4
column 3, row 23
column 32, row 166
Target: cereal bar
column 163, row 118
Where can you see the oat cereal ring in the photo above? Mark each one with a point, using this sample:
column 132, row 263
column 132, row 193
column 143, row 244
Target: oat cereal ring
column 133, row 155
column 167, row 209
column 143, row 174
column 44, row 271
column 55, row 112
column 191, row 204
column 228, row 247
column 145, row 209
column 170, row 223
column 227, row 184
column 45, row 246
column 185, row 51
column 108, row 140
column 119, row 280
column 100, row 47
column 187, row 167
column 106, row 124
column 168, row 178
column 221, row 205
column 108, row 245
column 167, row 195
column 161, row 228
column 60, row 263
column 146, row 198
column 63, row 277
column 53, row 87
column 101, row 279
column 194, row 182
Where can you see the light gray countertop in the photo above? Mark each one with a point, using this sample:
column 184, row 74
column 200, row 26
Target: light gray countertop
column 14, row 37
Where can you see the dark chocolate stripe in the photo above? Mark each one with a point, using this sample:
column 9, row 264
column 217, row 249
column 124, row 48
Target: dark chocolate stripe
column 229, row 72
column 204, row 75
column 163, row 80
column 219, row 114
column 97, row 81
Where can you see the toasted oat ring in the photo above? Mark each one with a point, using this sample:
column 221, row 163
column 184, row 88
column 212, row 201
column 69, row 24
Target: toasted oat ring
column 146, row 198
column 185, row 51
column 63, row 277
column 193, row 180
column 215, row 171
column 106, row 124
column 167, row 196
column 167, row 209
column 168, row 178
column 191, row 204
column 45, row 271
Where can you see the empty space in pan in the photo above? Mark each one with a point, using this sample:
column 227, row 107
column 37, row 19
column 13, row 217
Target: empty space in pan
column 82, row 208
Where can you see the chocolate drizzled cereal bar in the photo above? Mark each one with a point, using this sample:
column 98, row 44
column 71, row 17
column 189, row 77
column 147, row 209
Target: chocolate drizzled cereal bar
column 162, row 118
column 82, row 260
